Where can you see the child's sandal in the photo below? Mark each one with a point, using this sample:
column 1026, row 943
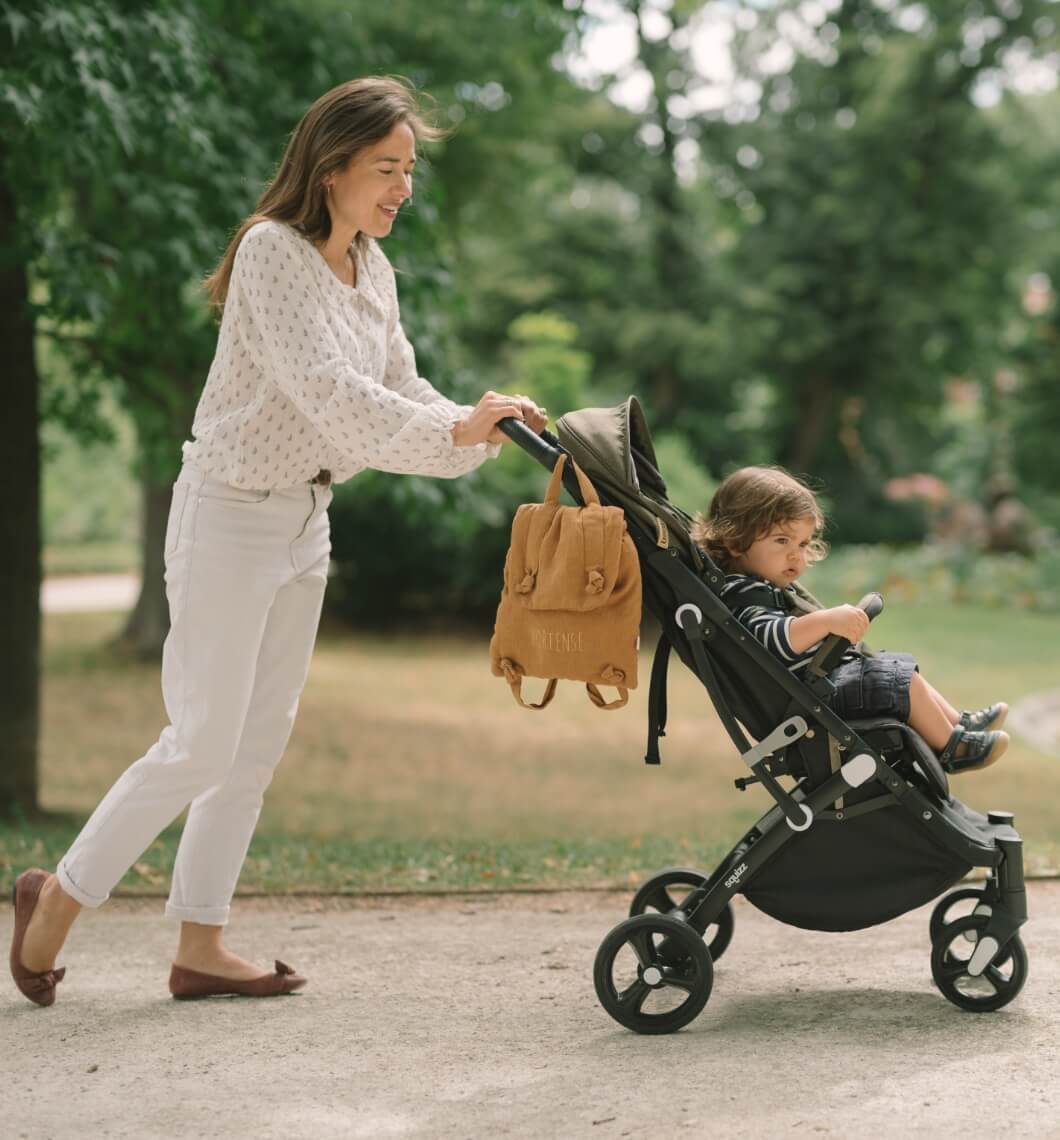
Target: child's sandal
column 967, row 751
column 993, row 716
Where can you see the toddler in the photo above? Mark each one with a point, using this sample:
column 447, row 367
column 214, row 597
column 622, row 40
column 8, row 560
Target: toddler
column 763, row 529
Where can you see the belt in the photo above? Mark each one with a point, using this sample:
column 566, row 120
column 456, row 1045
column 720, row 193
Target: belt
column 323, row 477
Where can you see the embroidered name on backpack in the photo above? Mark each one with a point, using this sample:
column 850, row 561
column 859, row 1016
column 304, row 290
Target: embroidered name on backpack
column 556, row 641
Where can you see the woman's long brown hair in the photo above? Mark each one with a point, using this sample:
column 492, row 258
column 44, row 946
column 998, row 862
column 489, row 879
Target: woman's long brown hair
column 340, row 123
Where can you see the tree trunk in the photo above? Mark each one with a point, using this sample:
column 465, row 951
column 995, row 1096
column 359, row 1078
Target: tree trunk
column 20, row 527
column 673, row 271
column 148, row 623
column 815, row 413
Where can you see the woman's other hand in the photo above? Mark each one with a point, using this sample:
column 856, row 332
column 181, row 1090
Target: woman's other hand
column 481, row 425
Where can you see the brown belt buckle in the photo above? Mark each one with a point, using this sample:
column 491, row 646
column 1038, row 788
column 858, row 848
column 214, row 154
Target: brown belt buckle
column 323, row 477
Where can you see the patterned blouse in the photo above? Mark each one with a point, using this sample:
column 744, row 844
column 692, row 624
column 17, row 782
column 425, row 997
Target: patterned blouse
column 310, row 373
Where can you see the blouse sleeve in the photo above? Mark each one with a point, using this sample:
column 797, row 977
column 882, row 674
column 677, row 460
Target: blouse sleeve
column 279, row 307
column 402, row 375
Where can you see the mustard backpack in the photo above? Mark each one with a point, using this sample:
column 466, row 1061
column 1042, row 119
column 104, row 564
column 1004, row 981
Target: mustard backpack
column 571, row 603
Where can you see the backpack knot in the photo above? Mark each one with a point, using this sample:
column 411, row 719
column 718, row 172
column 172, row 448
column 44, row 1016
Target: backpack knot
column 594, row 583
column 511, row 671
column 527, row 584
column 612, row 676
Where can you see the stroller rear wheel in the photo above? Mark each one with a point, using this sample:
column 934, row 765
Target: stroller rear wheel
column 996, row 986
column 958, row 904
column 653, row 974
column 668, row 891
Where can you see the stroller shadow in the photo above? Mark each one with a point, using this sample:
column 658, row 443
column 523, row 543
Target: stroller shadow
column 858, row 1016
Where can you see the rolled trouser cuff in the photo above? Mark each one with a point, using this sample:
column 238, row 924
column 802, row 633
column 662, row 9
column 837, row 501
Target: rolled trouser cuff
column 203, row 915
column 74, row 891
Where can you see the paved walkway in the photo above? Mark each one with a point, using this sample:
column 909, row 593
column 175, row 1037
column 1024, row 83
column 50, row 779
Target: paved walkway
column 471, row 1017
column 83, row 593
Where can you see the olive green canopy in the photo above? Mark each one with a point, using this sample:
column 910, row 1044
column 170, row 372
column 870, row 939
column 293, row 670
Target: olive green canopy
column 613, row 447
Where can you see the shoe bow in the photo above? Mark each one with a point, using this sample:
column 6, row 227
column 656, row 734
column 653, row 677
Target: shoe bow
column 41, row 983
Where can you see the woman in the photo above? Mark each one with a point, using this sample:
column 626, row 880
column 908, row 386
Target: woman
column 313, row 380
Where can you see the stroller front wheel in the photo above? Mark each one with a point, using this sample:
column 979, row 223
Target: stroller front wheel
column 996, row 986
column 967, row 899
column 653, row 974
column 668, row 892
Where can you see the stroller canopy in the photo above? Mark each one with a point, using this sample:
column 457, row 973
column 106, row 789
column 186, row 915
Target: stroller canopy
column 614, row 448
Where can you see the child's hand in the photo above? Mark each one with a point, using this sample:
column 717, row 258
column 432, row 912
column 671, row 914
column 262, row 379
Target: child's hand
column 848, row 621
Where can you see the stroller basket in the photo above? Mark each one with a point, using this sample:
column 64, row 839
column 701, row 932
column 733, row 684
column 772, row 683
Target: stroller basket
column 864, row 829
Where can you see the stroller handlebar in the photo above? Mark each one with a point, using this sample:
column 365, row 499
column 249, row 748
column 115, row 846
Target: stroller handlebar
column 872, row 604
column 544, row 447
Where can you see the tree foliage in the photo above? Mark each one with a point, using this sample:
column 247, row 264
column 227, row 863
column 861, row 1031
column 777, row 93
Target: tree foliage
column 795, row 249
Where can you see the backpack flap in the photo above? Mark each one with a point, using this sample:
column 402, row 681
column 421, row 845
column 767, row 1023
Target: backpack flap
column 565, row 558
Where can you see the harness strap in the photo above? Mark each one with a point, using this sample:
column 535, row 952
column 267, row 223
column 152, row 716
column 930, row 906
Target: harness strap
column 513, row 674
column 657, row 698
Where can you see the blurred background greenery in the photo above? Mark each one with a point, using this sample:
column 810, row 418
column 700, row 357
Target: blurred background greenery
column 819, row 233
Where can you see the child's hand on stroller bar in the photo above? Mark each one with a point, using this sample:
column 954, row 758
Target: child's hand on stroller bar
column 847, row 621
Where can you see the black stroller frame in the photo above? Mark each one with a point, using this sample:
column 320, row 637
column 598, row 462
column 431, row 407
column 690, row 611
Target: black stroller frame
column 848, row 776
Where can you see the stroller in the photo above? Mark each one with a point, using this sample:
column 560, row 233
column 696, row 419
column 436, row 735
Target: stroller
column 868, row 829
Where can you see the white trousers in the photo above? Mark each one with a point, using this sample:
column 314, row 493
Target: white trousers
column 245, row 578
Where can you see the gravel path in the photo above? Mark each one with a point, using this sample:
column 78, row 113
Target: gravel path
column 475, row 1017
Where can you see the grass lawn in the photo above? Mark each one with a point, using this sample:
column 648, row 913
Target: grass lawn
column 412, row 768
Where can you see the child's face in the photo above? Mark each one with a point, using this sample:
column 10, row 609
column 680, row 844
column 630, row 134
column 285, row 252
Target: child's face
column 780, row 555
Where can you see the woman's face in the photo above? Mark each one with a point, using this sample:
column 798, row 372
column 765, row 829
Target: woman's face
column 368, row 192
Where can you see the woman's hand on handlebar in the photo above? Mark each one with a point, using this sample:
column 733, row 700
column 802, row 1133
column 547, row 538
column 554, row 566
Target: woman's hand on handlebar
column 481, row 425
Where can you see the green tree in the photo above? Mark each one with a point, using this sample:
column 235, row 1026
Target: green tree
column 83, row 88
column 879, row 224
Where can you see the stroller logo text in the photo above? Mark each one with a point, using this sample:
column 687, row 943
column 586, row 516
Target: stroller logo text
column 734, row 878
column 556, row 641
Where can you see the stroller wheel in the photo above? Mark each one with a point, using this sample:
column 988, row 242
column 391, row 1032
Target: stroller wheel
column 998, row 984
column 957, row 904
column 653, row 974
column 667, row 892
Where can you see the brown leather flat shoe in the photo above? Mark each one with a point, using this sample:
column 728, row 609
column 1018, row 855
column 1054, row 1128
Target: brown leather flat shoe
column 186, row 985
column 39, row 988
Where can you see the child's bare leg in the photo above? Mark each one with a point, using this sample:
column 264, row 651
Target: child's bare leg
column 927, row 716
column 951, row 714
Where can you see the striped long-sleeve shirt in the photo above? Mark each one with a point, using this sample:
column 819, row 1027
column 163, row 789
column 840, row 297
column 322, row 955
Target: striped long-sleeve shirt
column 767, row 612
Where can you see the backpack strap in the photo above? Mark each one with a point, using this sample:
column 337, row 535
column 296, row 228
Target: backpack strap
column 609, row 675
column 588, row 491
column 657, row 698
column 513, row 674
column 598, row 698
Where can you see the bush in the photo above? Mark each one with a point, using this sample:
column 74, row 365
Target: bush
column 939, row 573
column 409, row 548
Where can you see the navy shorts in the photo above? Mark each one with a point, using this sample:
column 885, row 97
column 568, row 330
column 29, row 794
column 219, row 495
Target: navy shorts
column 873, row 686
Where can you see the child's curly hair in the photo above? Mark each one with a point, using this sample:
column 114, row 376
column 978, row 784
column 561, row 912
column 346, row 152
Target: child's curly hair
column 746, row 507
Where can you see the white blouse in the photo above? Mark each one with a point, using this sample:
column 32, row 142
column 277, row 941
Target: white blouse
column 312, row 374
